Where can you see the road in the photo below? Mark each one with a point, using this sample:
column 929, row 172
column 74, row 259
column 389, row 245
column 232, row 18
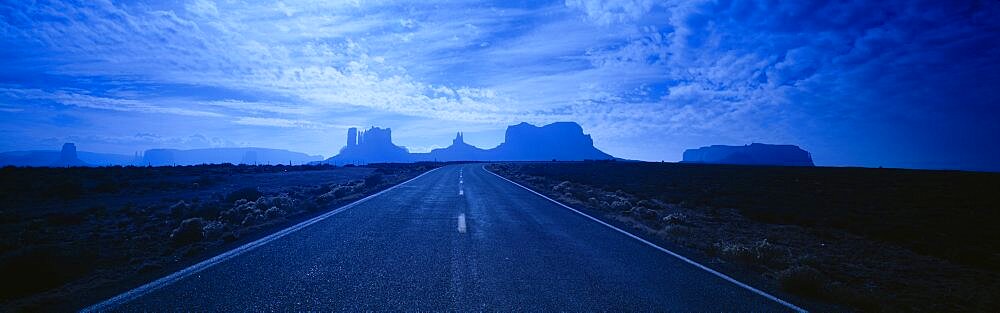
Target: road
column 454, row 239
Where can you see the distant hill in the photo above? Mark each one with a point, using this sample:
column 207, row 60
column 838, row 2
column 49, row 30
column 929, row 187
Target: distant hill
column 68, row 156
column 563, row 141
column 29, row 158
column 753, row 154
column 160, row 157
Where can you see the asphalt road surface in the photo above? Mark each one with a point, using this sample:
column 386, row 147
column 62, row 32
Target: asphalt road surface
column 454, row 239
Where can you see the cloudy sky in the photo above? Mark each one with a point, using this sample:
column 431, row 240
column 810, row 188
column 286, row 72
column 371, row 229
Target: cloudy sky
column 869, row 83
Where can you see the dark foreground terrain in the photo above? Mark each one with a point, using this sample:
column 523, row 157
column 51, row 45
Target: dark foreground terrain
column 70, row 237
column 867, row 239
column 455, row 239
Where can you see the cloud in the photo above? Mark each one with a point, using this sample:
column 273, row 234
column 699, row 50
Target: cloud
column 141, row 141
column 260, row 107
column 700, row 72
column 280, row 122
column 606, row 12
column 203, row 8
column 70, row 98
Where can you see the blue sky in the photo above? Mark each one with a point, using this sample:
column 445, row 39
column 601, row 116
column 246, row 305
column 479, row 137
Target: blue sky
column 868, row 83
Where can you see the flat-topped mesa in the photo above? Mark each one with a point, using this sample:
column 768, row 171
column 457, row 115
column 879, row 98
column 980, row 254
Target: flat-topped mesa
column 564, row 141
column 753, row 154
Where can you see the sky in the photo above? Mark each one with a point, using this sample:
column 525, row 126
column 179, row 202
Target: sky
column 857, row 83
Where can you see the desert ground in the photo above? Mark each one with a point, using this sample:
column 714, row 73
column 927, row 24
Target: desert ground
column 842, row 238
column 861, row 238
column 70, row 237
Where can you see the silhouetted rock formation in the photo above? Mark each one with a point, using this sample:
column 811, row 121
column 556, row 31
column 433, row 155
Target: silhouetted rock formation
column 458, row 151
column 371, row 146
column 564, row 141
column 67, row 157
column 167, row 157
column 753, row 154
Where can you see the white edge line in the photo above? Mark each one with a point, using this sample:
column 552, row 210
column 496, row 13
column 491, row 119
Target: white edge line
column 682, row 258
column 115, row 301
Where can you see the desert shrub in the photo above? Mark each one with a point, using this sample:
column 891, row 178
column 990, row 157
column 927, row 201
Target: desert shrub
column 561, row 186
column 677, row 230
column 180, row 209
column 757, row 253
column 321, row 189
column 149, row 267
column 674, row 219
column 338, row 192
column 248, row 193
column 282, row 201
column 213, row 229
column 39, row 268
column 207, row 180
column 261, row 204
column 231, row 236
column 108, row 186
column 190, row 230
column 326, row 197
column 652, row 204
column 802, row 280
column 66, row 218
column 621, row 205
column 97, row 210
column 208, row 210
column 9, row 217
column 342, row 191
column 253, row 218
column 240, row 202
column 644, row 213
column 374, row 180
column 66, row 190
column 231, row 215
column 864, row 299
column 274, row 212
column 309, row 205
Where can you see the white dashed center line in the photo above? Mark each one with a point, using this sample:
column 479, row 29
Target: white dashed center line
column 461, row 223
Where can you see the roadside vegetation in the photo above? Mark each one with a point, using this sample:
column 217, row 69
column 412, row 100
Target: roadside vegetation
column 873, row 240
column 73, row 236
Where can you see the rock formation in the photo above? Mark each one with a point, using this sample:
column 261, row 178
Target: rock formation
column 564, row 141
column 753, row 154
column 458, row 151
column 371, row 146
column 67, row 157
